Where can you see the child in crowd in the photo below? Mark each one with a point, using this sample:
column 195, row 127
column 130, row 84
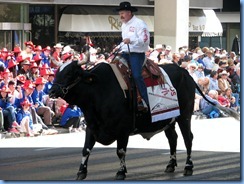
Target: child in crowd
column 71, row 117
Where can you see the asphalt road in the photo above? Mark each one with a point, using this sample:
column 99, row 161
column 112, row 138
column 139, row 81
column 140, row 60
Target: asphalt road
column 216, row 156
column 142, row 164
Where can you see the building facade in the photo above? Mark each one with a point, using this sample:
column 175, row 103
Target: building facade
column 47, row 22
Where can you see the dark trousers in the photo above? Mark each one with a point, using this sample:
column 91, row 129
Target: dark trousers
column 75, row 121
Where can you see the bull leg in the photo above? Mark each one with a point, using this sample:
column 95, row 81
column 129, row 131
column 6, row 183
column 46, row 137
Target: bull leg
column 89, row 143
column 121, row 153
column 185, row 127
column 172, row 138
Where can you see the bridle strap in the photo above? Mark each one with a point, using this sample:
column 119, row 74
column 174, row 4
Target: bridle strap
column 64, row 89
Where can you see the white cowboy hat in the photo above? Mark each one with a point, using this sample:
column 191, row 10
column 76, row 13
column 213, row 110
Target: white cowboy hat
column 159, row 46
column 224, row 72
column 195, row 56
column 67, row 49
column 200, row 53
column 58, row 45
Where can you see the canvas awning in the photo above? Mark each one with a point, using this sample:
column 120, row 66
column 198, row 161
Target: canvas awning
column 99, row 19
column 204, row 23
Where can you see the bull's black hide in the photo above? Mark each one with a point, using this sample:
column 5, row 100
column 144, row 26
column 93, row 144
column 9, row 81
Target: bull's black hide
column 109, row 116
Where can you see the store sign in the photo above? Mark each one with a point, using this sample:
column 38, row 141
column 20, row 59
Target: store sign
column 197, row 24
column 97, row 23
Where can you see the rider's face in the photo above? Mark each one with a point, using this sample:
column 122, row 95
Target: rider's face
column 125, row 15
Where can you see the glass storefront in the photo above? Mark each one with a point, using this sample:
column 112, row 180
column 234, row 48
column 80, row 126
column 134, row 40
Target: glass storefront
column 42, row 21
column 12, row 19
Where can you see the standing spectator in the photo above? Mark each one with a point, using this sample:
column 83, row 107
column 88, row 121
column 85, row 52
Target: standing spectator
column 168, row 54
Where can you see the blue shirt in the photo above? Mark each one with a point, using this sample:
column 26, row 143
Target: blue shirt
column 37, row 97
column 21, row 114
column 70, row 113
column 47, row 87
column 18, row 101
column 4, row 103
column 213, row 84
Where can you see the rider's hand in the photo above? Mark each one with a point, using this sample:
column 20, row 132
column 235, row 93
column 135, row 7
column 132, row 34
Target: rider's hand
column 126, row 41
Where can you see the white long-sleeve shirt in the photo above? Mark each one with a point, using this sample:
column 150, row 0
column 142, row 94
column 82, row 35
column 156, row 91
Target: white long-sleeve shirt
column 136, row 30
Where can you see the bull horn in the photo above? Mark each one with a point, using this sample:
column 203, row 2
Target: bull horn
column 84, row 58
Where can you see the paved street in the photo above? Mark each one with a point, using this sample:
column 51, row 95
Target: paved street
column 216, row 156
column 222, row 134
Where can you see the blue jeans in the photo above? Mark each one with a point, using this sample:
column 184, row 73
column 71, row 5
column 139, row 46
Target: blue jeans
column 136, row 61
column 9, row 112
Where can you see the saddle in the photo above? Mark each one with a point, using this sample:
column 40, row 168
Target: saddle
column 150, row 72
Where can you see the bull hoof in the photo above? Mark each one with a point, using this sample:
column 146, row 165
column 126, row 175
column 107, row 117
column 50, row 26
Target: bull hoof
column 120, row 175
column 188, row 172
column 169, row 169
column 81, row 175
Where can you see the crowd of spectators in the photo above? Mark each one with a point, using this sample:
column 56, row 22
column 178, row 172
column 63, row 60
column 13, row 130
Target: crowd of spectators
column 27, row 75
column 216, row 72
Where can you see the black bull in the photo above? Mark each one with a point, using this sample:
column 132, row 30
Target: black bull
column 109, row 118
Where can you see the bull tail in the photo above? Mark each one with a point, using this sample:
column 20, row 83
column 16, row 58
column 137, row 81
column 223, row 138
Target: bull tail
column 227, row 110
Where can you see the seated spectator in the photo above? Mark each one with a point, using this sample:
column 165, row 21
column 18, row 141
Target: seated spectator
column 222, row 66
column 204, row 84
column 223, row 83
column 38, row 97
column 163, row 60
column 24, row 119
column 2, row 129
column 223, row 100
column 228, row 95
column 191, row 69
column 236, row 81
column 213, row 81
column 200, row 71
column 27, row 90
column 8, row 111
column 15, row 91
column 208, row 109
column 49, row 82
column 71, row 117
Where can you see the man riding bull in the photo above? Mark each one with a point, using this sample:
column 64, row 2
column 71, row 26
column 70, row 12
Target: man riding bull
column 136, row 41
